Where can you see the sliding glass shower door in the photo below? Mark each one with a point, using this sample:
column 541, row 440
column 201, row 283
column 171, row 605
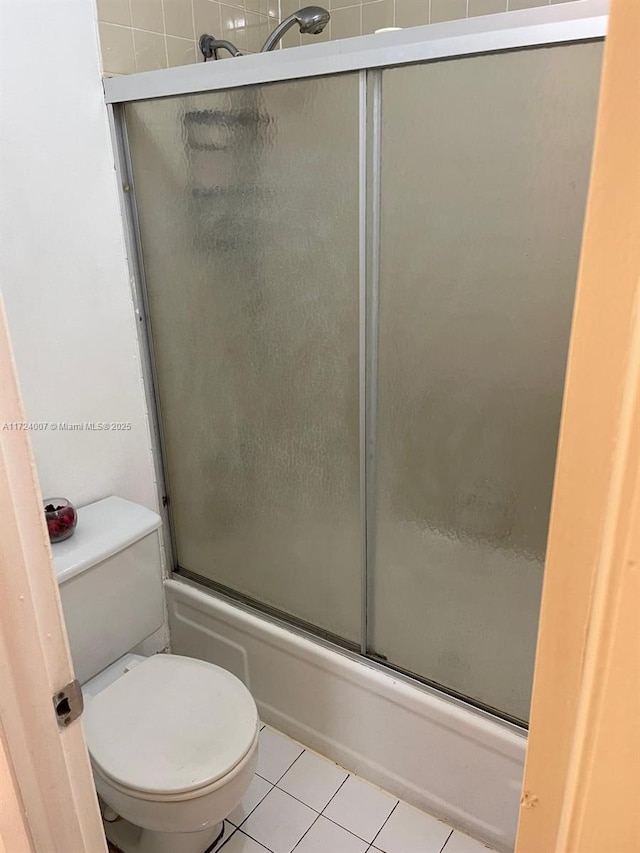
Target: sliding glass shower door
column 248, row 209
column 481, row 221
column 359, row 291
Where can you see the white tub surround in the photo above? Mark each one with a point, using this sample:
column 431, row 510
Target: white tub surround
column 452, row 761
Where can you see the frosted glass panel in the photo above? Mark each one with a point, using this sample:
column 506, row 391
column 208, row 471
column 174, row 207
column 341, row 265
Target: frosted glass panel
column 248, row 205
column 485, row 166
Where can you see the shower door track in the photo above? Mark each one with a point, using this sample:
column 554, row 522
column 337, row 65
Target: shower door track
column 368, row 55
column 343, row 646
column 529, row 28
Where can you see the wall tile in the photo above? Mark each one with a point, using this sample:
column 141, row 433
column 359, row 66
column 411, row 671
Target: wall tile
column 376, row 15
column 514, row 5
column 486, row 7
column 114, row 12
column 259, row 6
column 206, row 16
column 234, row 27
column 178, row 18
column 267, row 25
column 448, row 10
column 147, row 15
column 117, row 49
column 292, row 38
column 254, row 39
column 180, row 51
column 412, row 13
column 345, row 23
column 150, row 50
column 288, row 7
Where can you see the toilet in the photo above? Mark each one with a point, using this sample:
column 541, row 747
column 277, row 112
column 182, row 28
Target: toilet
column 173, row 741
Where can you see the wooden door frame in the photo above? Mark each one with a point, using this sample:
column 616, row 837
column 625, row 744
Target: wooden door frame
column 48, row 801
column 582, row 774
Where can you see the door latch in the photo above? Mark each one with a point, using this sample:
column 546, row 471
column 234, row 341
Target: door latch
column 68, row 703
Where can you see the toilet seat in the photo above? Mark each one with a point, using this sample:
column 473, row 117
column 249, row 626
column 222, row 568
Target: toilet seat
column 172, row 797
column 171, row 726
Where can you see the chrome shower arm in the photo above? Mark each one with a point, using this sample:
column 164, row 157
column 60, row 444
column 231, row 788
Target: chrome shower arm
column 209, row 45
column 278, row 33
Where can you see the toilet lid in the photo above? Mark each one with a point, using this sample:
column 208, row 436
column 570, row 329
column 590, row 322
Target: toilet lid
column 170, row 725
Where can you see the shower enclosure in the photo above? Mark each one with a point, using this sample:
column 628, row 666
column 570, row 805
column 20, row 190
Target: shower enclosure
column 356, row 265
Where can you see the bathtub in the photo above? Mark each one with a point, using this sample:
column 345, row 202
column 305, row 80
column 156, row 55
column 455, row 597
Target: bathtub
column 440, row 755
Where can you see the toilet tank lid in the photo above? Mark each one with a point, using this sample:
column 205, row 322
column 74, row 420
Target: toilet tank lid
column 104, row 528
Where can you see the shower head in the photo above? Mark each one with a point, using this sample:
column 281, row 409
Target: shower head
column 311, row 19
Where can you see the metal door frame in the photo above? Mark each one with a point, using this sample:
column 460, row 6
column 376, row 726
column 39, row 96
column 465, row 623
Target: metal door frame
column 368, row 55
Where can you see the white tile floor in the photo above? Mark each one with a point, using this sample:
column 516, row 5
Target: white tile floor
column 302, row 802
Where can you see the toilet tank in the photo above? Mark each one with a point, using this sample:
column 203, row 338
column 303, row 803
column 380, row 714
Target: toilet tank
column 110, row 579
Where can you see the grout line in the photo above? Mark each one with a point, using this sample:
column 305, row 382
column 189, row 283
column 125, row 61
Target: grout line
column 157, row 33
column 335, row 823
column 317, row 818
column 359, row 837
column 351, row 775
column 329, row 760
column 262, row 847
column 245, row 819
column 259, row 843
column 195, row 35
column 180, row 38
column 447, row 841
column 277, row 785
column 373, row 841
column 293, row 797
column 289, row 768
column 236, row 830
column 327, row 806
column 246, row 834
column 302, row 746
column 164, row 34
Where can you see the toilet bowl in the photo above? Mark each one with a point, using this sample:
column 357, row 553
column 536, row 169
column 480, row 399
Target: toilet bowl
column 173, row 747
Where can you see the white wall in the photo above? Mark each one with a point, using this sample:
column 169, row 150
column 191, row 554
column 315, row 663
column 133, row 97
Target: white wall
column 63, row 270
